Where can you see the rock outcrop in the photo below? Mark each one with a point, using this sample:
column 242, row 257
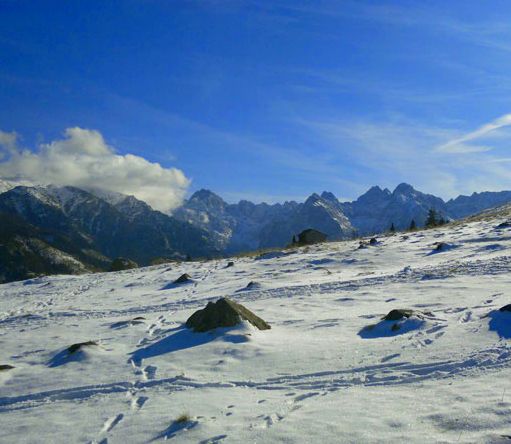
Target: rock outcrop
column 223, row 313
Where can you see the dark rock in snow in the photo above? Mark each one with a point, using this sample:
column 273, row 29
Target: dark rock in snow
column 223, row 313
column 252, row 285
column 396, row 322
column 184, row 278
column 397, row 314
column 440, row 246
column 5, row 367
column 122, row 263
column 310, row 237
column 75, row 347
column 123, row 324
column 71, row 354
column 229, row 264
column 506, row 224
column 373, row 241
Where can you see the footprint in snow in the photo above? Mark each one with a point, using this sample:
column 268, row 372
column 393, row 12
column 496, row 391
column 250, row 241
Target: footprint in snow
column 390, row 357
column 138, row 403
column 110, row 423
column 149, row 372
column 272, row 419
column 305, row 396
column 465, row 317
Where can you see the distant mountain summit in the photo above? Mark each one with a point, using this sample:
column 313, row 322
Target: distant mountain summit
column 377, row 209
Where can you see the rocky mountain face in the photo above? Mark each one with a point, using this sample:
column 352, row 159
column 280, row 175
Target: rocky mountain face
column 377, row 209
column 246, row 226
column 47, row 230
column 65, row 229
column 464, row 206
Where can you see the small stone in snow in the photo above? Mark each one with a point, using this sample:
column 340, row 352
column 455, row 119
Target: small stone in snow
column 397, row 314
column 182, row 279
column 5, row 367
column 75, row 347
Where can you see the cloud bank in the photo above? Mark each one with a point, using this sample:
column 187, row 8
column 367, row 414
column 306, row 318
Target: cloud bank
column 83, row 159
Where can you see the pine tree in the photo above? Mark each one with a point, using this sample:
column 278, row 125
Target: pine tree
column 432, row 220
column 392, row 228
column 413, row 225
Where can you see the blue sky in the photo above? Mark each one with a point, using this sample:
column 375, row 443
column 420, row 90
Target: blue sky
column 269, row 100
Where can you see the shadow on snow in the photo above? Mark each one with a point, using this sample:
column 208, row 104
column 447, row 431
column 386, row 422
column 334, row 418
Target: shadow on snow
column 500, row 322
column 184, row 338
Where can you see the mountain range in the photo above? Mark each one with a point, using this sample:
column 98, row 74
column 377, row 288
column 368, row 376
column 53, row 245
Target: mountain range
column 247, row 226
column 52, row 230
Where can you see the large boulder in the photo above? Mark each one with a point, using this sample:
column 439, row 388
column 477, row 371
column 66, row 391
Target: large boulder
column 310, row 237
column 121, row 263
column 223, row 313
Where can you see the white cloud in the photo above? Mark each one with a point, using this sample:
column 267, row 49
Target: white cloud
column 7, row 142
column 459, row 145
column 83, row 159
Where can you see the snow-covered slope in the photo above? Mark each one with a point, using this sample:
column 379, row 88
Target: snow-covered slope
column 319, row 374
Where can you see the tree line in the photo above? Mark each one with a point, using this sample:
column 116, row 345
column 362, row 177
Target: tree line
column 434, row 219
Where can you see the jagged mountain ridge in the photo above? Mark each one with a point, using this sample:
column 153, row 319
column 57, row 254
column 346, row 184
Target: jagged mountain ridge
column 246, row 226
column 377, row 209
column 249, row 226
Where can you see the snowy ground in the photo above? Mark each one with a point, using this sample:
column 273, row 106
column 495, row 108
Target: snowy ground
column 314, row 377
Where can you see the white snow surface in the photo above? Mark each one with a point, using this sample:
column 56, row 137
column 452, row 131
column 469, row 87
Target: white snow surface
column 316, row 376
column 6, row 185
